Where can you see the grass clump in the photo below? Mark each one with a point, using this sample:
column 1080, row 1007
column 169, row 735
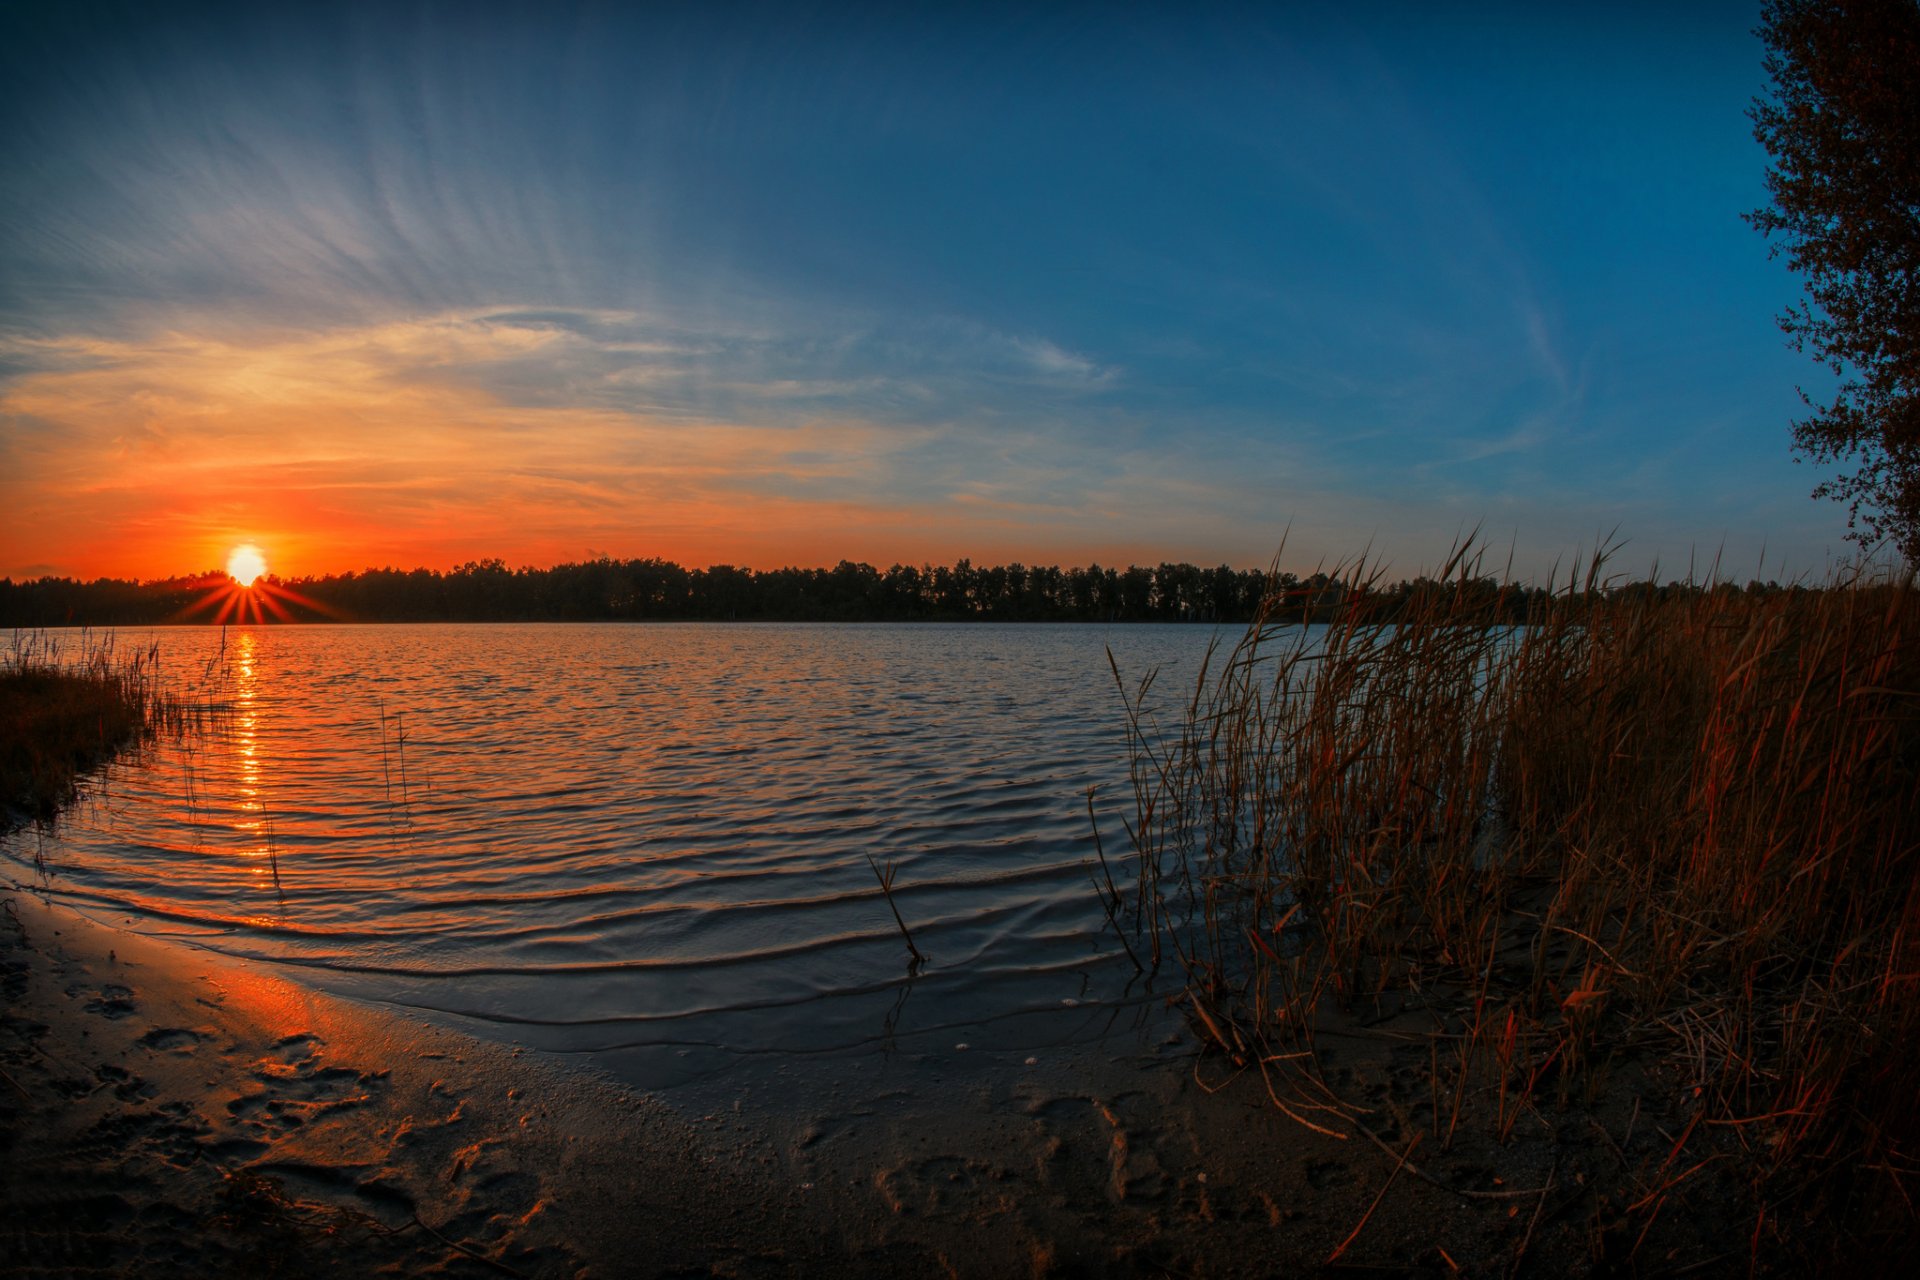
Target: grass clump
column 62, row 715
column 1659, row 841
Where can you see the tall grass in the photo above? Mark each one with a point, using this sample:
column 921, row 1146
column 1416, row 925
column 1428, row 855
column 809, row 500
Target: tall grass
column 1682, row 824
column 66, row 711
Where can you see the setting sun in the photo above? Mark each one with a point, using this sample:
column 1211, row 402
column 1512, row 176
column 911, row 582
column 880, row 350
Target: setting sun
column 246, row 564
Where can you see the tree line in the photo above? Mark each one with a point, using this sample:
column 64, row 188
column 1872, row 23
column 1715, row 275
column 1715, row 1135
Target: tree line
column 608, row 590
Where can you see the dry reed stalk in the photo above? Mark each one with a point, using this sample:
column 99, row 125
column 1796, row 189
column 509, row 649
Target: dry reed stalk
column 63, row 713
column 1685, row 818
column 1366, row 1217
column 885, row 877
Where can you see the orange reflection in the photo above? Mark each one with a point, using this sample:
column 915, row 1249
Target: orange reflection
column 274, row 1004
column 260, row 842
column 246, row 743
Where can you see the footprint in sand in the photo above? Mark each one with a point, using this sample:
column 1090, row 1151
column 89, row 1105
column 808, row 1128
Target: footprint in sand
column 126, row 1086
column 294, row 1057
column 247, row 1106
column 113, row 1001
column 298, row 1088
column 490, row 1202
column 233, row 1152
column 171, row 1039
column 171, row 1132
column 296, row 1049
column 937, row 1184
column 73, row 1088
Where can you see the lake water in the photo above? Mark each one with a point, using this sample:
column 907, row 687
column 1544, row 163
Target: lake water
column 644, row 844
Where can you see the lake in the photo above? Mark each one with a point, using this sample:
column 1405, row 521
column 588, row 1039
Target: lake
column 643, row 844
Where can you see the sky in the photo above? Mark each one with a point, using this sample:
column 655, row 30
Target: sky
column 414, row 284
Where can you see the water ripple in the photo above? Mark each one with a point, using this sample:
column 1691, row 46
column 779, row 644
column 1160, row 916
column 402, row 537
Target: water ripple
column 592, row 829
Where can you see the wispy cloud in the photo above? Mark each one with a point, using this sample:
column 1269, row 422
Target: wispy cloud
column 375, row 443
column 654, row 282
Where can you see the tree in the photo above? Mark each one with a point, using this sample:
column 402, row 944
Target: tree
column 1843, row 132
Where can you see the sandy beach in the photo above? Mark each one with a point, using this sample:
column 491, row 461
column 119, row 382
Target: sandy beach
column 170, row 1111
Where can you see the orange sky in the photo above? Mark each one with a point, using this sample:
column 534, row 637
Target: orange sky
column 364, row 446
column 475, row 434
column 368, row 289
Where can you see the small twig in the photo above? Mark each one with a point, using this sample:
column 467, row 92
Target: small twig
column 475, row 1254
column 1534, row 1221
column 1111, row 898
column 16, row 1084
column 386, row 768
column 1660, row 1192
column 1365, row 1217
column 1290, row 1113
column 1428, row 1178
column 1702, row 1265
column 400, row 753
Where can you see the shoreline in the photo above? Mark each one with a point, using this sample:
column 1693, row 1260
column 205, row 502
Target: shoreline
column 169, row 1110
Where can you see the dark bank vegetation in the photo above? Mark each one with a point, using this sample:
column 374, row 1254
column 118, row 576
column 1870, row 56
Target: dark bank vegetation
column 64, row 713
column 1635, row 888
column 659, row 590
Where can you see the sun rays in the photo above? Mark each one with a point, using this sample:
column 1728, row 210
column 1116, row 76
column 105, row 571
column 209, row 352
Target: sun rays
column 229, row 600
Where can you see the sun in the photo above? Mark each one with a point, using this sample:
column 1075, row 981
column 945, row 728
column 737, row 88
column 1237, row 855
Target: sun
column 248, row 596
column 245, row 564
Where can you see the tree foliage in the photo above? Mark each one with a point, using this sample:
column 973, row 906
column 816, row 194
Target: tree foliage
column 1843, row 131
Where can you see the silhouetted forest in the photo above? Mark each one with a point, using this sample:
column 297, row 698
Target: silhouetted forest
column 659, row 590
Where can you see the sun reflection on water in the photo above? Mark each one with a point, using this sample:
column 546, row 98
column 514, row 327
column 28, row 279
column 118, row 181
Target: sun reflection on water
column 253, row 821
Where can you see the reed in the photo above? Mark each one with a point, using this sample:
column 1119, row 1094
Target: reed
column 65, row 711
column 885, row 876
column 1679, row 825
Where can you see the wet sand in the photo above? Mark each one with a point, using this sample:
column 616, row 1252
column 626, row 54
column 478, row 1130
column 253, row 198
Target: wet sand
column 170, row 1111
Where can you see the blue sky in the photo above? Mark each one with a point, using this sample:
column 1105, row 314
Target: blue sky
column 411, row 283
